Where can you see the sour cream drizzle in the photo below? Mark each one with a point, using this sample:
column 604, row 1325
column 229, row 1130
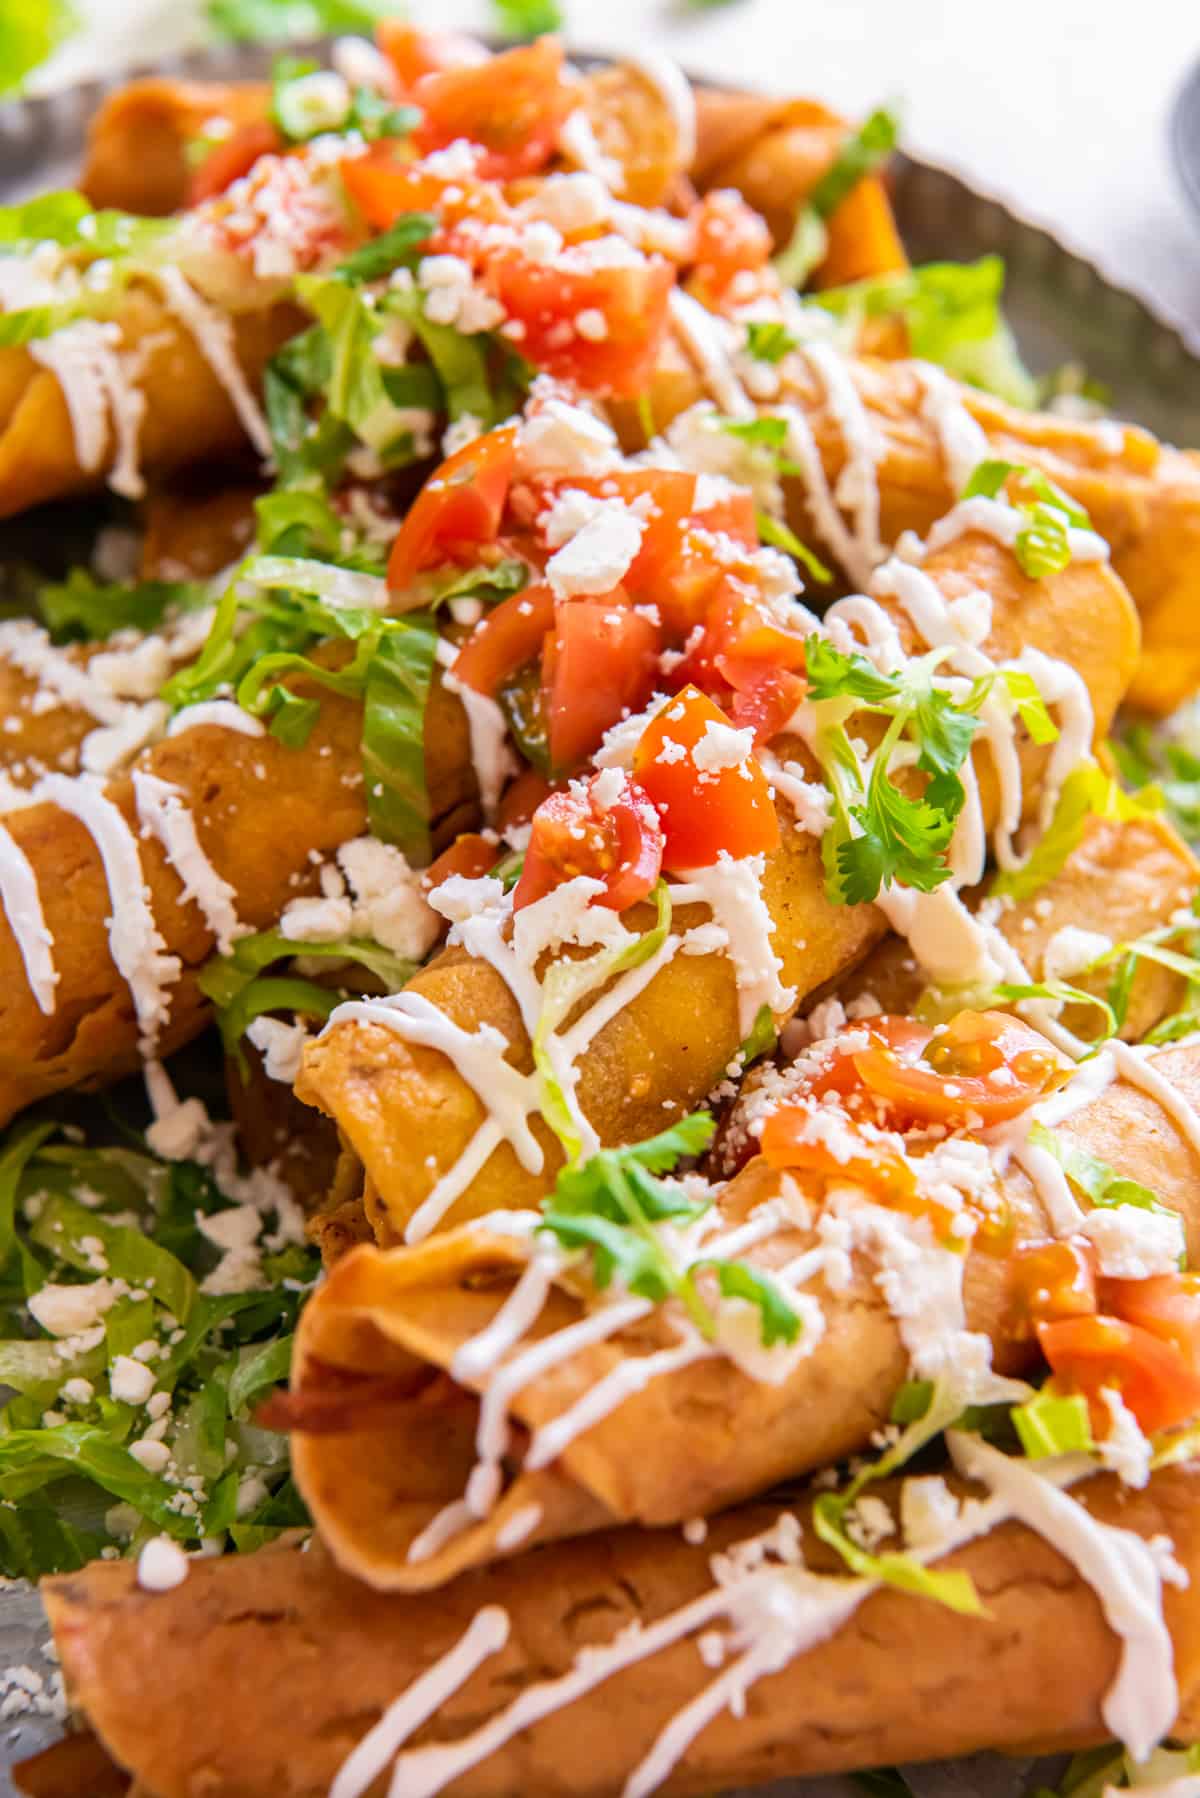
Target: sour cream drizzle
column 134, row 940
column 778, row 1613
column 163, row 812
column 22, row 904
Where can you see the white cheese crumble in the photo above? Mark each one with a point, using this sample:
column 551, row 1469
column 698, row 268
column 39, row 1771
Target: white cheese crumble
column 453, row 297
column 68, row 1310
column 1132, row 1244
column 1070, row 950
column 162, row 1565
column 282, row 1047
column 559, row 438
column 598, row 557
column 722, row 747
column 131, row 1382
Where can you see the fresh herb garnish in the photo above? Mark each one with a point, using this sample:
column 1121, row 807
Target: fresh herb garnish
column 614, row 1207
column 769, row 341
column 880, row 835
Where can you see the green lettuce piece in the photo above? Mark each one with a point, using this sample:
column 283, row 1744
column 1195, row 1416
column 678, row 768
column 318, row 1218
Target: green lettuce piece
column 49, row 218
column 355, row 392
column 952, row 314
column 1102, row 1184
column 225, row 976
column 1087, row 792
column 393, row 743
column 22, row 1144
column 84, row 608
column 1050, row 1424
column 129, row 1254
column 951, row 1588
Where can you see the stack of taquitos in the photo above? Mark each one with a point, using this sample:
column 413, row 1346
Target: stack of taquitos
column 899, row 1679
column 670, row 1046
column 379, row 1464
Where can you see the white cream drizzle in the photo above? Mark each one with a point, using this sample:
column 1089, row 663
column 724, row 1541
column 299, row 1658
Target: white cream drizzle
column 212, row 332
column 491, row 754
column 223, row 714
column 995, row 518
column 961, row 439
column 778, row 1613
column 706, row 338
column 163, row 812
column 134, row 940
column 22, row 904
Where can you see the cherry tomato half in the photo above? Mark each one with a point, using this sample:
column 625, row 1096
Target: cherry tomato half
column 1090, row 1354
column 594, row 830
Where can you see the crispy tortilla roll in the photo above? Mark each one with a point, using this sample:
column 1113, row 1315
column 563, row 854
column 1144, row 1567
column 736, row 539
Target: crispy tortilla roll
column 378, row 1465
column 138, row 141
column 260, row 812
column 670, row 1046
column 191, row 536
column 900, row 1679
column 1126, row 877
column 184, row 412
column 774, row 152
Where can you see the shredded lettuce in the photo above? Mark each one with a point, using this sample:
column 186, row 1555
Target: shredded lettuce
column 1087, row 792
column 124, row 1230
column 1102, row 1184
column 1053, row 1424
column 951, row 311
column 82, row 607
column 1043, row 546
column 242, row 990
column 862, row 152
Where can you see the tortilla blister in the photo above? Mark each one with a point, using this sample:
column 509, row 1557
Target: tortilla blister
column 1062, row 309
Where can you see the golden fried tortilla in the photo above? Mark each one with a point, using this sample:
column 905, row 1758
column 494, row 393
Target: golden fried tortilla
column 664, row 1051
column 261, row 1674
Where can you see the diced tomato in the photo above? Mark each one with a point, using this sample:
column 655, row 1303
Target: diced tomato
column 232, row 158
column 663, row 497
column 598, row 666
column 1090, row 1354
column 629, row 299
column 733, row 515
column 385, row 189
column 458, row 508
column 1168, row 1306
column 414, row 54
column 739, row 627
column 1051, row 1281
column 585, row 830
column 722, row 804
column 469, row 854
column 513, row 104
column 797, row 1137
column 764, row 696
column 511, row 635
column 733, row 249
column 521, row 799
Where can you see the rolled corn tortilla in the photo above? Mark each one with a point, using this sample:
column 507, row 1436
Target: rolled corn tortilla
column 386, row 1327
column 898, row 1679
column 260, row 811
column 1125, row 878
column 774, row 152
column 671, row 1044
column 136, row 159
column 1142, row 497
column 183, row 413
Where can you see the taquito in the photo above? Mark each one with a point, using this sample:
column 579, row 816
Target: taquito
column 1125, row 878
column 138, row 140
column 262, row 812
column 899, row 1679
column 670, row 1046
column 376, row 1478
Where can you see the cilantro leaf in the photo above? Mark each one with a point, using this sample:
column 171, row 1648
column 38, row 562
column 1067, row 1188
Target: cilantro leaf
column 945, row 731
column 901, row 843
column 861, row 153
column 738, row 1280
column 834, row 675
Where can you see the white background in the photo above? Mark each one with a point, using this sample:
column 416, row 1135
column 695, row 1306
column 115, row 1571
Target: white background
column 1059, row 106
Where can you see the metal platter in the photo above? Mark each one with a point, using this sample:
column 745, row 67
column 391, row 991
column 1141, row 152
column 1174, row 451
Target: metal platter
column 1062, row 309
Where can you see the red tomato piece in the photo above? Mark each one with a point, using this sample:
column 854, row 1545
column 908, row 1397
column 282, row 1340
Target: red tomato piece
column 513, row 104
column 789, row 1141
column 733, row 249
column 586, row 830
column 597, row 667
column 1091, row 1354
column 733, row 515
column 1052, row 1280
column 764, row 696
column 468, row 854
column 1168, row 1305
column 384, row 189
column 664, row 498
column 722, row 802
column 629, row 298
column 234, row 157
column 414, row 54
column 521, row 799
column 458, row 508
column 983, row 1065
column 511, row 635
